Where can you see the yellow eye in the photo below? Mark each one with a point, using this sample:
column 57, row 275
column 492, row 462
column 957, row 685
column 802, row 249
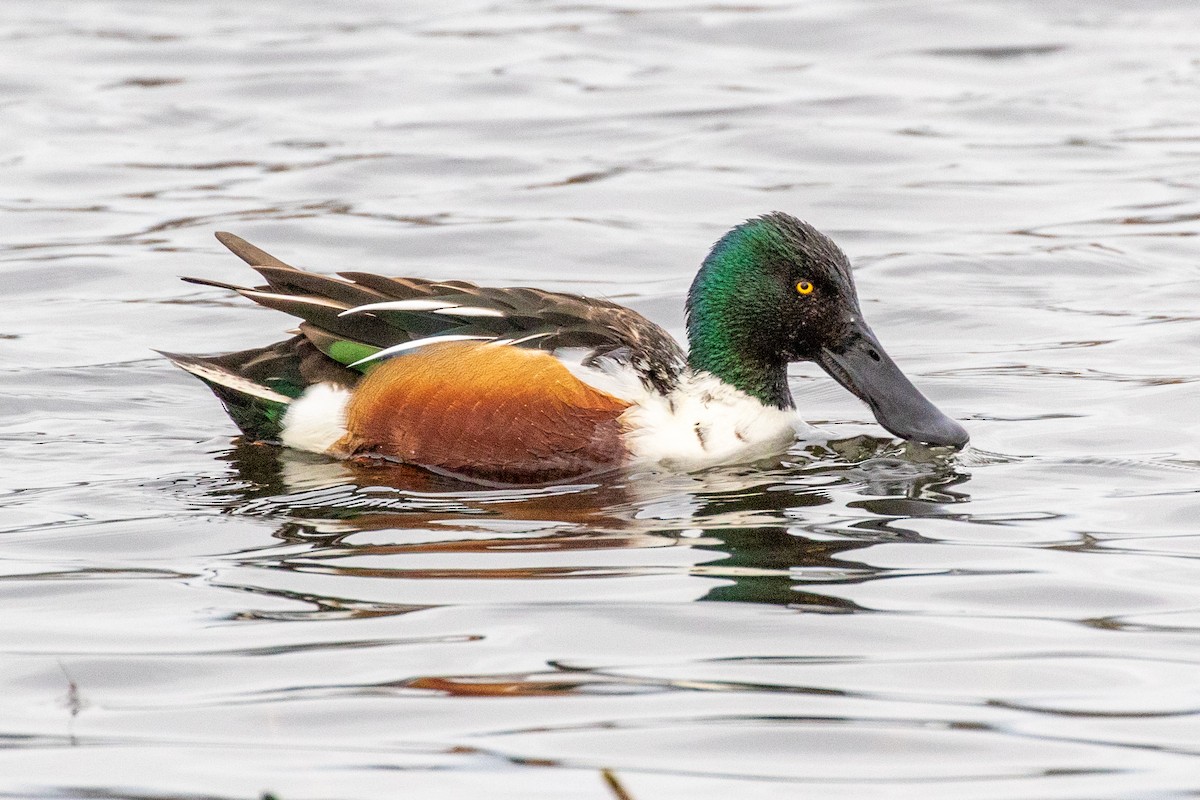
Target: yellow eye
column 805, row 287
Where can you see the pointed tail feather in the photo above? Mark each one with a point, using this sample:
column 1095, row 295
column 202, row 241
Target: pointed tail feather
column 256, row 385
column 254, row 256
column 256, row 409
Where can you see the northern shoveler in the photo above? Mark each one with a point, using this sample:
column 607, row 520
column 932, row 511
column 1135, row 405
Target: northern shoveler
column 523, row 385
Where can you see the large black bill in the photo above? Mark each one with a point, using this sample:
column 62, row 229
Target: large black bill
column 860, row 364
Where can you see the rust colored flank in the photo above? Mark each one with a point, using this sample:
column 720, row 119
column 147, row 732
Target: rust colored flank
column 488, row 412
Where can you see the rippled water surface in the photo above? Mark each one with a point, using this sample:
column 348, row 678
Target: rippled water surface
column 1018, row 184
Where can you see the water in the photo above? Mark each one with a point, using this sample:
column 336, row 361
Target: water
column 1016, row 182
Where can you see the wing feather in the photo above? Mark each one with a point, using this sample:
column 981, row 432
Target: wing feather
column 369, row 313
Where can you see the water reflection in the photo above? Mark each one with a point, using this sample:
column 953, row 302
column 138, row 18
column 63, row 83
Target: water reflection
column 771, row 565
column 769, row 533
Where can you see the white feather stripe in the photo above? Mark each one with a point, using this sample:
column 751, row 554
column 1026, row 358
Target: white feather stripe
column 233, row 381
column 308, row 300
column 522, row 340
column 469, row 311
column 400, row 305
column 413, row 345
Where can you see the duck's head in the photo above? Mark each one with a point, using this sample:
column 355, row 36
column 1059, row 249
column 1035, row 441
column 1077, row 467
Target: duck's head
column 775, row 290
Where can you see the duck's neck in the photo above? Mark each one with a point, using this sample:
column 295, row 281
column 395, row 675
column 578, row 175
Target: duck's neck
column 732, row 330
column 734, row 360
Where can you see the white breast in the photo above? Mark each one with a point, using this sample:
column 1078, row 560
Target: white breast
column 706, row 422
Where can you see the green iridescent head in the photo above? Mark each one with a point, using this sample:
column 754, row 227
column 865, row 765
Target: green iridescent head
column 775, row 290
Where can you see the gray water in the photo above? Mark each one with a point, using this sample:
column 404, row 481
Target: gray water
column 1018, row 185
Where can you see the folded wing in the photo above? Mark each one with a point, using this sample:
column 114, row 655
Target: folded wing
column 359, row 318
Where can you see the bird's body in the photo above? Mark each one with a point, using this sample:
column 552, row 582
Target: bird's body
column 522, row 385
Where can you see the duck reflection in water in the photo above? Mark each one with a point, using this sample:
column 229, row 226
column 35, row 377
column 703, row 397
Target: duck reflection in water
column 754, row 534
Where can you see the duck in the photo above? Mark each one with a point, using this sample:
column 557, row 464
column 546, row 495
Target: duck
column 521, row 385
